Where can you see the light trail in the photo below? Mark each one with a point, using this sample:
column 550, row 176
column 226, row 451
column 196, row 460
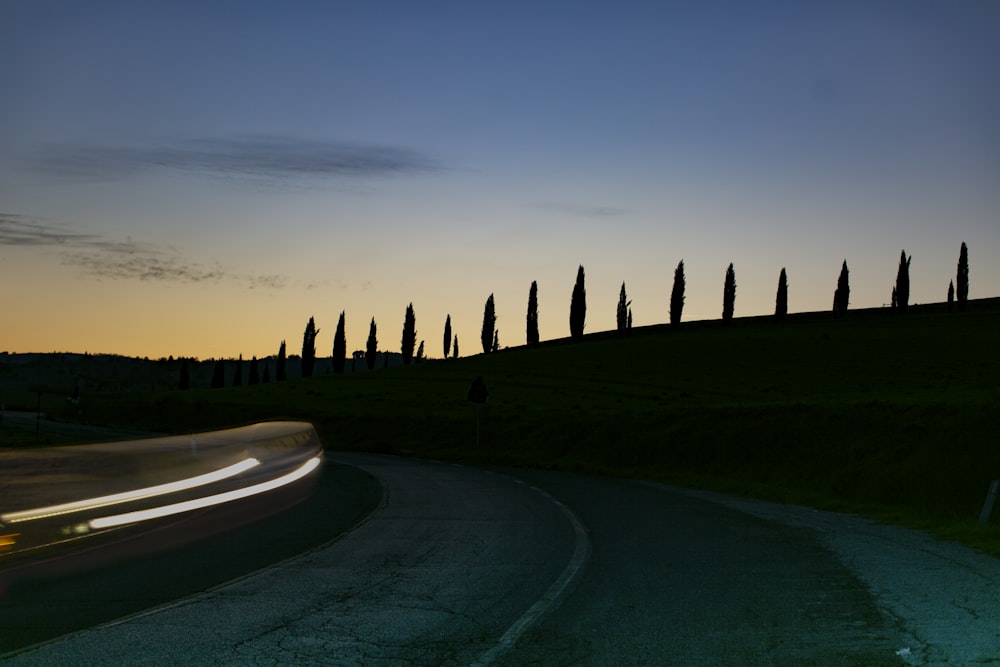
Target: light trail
column 126, row 496
column 207, row 501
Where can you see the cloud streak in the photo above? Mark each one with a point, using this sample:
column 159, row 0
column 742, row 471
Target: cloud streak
column 102, row 257
column 273, row 158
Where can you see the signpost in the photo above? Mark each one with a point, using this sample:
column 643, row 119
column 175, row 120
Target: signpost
column 480, row 396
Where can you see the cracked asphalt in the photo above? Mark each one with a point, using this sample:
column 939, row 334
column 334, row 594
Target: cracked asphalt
column 464, row 566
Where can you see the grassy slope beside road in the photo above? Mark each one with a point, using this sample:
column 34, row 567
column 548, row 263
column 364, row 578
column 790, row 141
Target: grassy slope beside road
column 874, row 412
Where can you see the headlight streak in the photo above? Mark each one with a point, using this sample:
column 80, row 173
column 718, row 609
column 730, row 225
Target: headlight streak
column 207, row 501
column 126, row 496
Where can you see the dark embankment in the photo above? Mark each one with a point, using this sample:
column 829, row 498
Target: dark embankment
column 878, row 412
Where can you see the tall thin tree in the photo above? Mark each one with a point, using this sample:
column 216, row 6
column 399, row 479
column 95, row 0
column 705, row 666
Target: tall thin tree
column 578, row 307
column 902, row 288
column 951, row 295
column 677, row 295
column 489, row 324
column 409, row 341
column 533, row 314
column 340, row 346
column 781, row 300
column 729, row 294
column 238, row 373
column 309, row 348
column 962, row 284
column 842, row 295
column 447, row 336
column 371, row 347
column 420, row 352
column 623, row 310
column 455, row 348
column 280, row 370
column 496, row 341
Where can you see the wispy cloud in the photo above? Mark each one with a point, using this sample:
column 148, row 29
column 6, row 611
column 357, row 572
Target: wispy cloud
column 268, row 157
column 21, row 230
column 127, row 259
column 581, row 210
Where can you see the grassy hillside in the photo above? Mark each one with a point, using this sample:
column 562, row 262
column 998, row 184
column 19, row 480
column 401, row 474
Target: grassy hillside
column 884, row 413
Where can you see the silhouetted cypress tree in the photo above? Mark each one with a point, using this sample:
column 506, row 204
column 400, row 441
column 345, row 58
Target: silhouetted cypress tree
column 409, row 335
column 238, row 373
column 951, row 295
column 677, row 295
column 489, row 325
column 447, row 336
column 578, row 307
column 339, row 346
column 420, row 352
column 371, row 347
column 902, row 289
column 629, row 324
column 219, row 374
column 496, row 340
column 455, row 347
column 533, row 314
column 781, row 300
column 185, row 379
column 280, row 372
column 842, row 295
column 309, row 348
column 623, row 310
column 254, row 376
column 963, row 276
column 729, row 294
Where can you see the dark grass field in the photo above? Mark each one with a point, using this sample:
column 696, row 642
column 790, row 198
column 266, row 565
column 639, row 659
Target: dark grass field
column 886, row 414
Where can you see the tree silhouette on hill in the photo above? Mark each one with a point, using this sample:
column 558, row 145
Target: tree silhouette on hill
column 902, row 288
column 447, row 336
column 455, row 347
column 578, row 307
column 951, row 295
column 963, row 276
column 489, row 325
column 842, row 295
column 340, row 346
column 677, row 295
column 409, row 341
column 281, row 369
column 532, row 331
column 371, row 347
column 781, row 300
column 622, row 314
column 309, row 348
column 729, row 294
column 238, row 373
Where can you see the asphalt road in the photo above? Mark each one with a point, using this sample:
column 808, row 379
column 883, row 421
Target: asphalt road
column 462, row 566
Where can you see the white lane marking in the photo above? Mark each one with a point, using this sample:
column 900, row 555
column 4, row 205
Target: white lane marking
column 555, row 594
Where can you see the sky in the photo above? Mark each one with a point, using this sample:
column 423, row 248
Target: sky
column 198, row 179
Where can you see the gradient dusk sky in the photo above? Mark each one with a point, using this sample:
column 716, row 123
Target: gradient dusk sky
column 199, row 178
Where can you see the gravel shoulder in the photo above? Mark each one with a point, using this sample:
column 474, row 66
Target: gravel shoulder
column 943, row 595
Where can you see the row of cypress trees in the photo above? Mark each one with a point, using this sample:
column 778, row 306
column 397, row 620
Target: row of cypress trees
column 490, row 335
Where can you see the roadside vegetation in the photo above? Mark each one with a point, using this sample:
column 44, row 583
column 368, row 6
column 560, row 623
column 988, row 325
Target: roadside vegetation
column 869, row 411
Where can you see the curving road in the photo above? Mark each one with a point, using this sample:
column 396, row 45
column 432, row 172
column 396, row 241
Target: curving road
column 461, row 566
